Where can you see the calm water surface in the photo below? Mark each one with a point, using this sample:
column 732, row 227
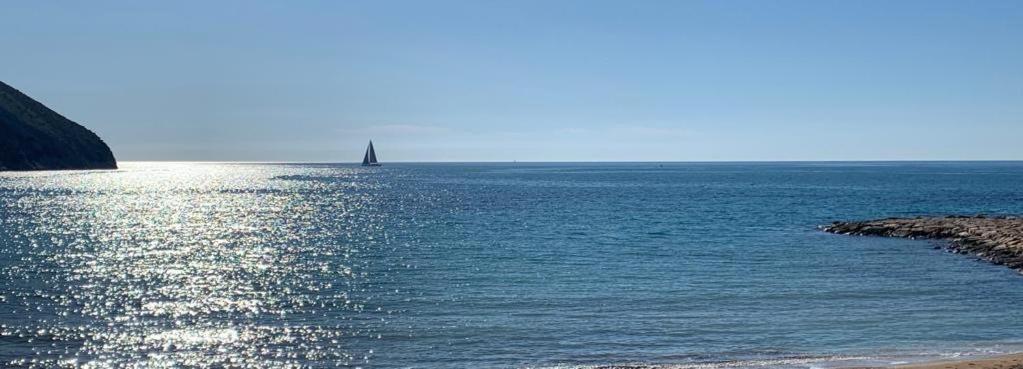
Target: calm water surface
column 495, row 266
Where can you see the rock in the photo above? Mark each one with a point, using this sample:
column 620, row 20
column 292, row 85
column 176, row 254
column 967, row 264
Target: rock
column 33, row 137
column 998, row 239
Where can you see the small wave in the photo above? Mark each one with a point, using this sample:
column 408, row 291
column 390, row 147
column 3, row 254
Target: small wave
column 797, row 361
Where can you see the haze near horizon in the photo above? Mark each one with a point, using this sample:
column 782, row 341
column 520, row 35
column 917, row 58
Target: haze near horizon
column 529, row 80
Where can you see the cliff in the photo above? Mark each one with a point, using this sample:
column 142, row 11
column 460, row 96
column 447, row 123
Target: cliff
column 33, row 137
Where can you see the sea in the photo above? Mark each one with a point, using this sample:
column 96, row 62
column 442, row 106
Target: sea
column 497, row 265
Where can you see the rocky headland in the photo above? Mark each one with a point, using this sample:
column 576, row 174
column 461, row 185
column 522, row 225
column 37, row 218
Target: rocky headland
column 34, row 137
column 996, row 239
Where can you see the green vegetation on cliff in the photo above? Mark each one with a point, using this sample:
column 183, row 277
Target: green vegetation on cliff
column 33, row 137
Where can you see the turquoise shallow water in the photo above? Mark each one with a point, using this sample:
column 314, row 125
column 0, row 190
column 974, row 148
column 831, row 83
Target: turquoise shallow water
column 496, row 265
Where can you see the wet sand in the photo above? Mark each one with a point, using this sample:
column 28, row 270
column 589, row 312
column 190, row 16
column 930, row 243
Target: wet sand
column 1010, row 361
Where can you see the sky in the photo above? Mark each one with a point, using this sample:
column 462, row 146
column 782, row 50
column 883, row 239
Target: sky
column 528, row 80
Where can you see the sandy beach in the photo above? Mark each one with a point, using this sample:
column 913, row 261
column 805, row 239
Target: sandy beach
column 1010, row 361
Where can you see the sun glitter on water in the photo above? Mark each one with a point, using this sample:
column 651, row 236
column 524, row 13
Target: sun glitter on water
column 174, row 264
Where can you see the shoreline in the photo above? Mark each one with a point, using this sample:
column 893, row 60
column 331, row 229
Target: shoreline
column 998, row 240
column 1001, row 361
column 963, row 360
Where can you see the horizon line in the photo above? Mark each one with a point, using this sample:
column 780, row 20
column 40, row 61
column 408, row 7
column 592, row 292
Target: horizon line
column 581, row 161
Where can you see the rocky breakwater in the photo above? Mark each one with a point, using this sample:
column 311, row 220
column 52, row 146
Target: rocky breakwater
column 998, row 240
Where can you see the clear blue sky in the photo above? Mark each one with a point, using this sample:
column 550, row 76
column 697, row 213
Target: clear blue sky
column 528, row 80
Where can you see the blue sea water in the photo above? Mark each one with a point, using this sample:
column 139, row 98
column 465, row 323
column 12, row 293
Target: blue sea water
column 693, row 265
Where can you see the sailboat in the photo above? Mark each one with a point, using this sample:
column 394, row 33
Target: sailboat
column 370, row 160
